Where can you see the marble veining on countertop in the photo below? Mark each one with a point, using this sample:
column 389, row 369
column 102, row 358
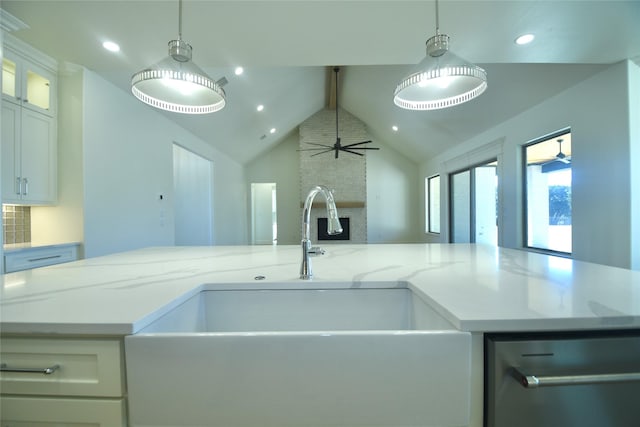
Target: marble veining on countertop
column 477, row 288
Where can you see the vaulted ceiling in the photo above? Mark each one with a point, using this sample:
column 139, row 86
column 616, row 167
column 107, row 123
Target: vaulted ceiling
column 285, row 48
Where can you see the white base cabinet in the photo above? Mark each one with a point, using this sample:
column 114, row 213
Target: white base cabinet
column 29, row 258
column 61, row 412
column 74, row 382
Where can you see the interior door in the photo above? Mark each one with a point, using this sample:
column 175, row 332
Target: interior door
column 263, row 213
column 193, row 198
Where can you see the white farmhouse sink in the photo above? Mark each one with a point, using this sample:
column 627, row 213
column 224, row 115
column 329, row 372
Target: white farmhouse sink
column 366, row 356
column 287, row 310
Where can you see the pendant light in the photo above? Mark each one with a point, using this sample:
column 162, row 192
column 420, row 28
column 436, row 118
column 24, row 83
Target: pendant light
column 177, row 84
column 441, row 80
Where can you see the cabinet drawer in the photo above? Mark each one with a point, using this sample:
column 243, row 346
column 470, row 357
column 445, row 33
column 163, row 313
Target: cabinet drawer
column 39, row 257
column 58, row 412
column 84, row 367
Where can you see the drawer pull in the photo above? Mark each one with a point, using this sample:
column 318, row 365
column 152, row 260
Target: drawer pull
column 46, row 371
column 44, row 258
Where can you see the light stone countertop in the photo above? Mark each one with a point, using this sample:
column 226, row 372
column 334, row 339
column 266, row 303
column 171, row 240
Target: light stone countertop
column 477, row 288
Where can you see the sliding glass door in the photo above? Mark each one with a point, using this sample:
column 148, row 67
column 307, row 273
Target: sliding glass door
column 548, row 193
column 474, row 204
column 461, row 207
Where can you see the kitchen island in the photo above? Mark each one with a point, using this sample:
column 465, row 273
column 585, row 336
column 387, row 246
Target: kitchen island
column 477, row 289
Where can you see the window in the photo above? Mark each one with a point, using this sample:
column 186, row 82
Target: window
column 433, row 204
column 474, row 204
column 548, row 193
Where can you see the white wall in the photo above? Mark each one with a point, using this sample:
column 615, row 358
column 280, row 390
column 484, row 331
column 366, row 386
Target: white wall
column 393, row 208
column 127, row 165
column 598, row 113
column 122, row 164
column 393, row 205
column 281, row 165
column 230, row 202
column 634, row 157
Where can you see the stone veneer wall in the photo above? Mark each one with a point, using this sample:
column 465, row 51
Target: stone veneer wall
column 346, row 175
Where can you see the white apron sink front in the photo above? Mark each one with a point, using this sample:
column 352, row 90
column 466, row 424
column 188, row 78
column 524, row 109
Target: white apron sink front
column 365, row 356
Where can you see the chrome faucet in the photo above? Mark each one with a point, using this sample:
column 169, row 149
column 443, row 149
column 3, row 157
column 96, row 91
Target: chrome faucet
column 333, row 227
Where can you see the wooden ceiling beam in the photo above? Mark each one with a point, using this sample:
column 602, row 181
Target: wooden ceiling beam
column 331, row 88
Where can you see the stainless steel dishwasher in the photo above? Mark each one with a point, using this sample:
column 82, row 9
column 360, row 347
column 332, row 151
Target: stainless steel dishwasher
column 563, row 380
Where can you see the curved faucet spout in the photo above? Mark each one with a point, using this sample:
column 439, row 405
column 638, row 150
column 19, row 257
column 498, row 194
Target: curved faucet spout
column 333, row 227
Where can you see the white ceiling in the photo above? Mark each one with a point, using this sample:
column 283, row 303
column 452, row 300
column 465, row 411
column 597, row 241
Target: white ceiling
column 285, row 47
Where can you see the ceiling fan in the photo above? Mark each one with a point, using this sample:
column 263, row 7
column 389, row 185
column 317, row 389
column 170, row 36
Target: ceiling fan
column 561, row 157
column 337, row 147
column 561, row 161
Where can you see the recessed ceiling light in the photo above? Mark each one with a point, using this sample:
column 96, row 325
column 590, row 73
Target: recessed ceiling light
column 525, row 39
column 260, row 107
column 239, row 70
column 395, row 128
column 273, row 130
column 111, row 46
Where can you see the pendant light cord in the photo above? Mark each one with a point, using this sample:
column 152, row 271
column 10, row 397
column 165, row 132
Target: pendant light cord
column 437, row 19
column 179, row 19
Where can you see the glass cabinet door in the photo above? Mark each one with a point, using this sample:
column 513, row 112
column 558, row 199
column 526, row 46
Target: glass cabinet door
column 9, row 72
column 38, row 89
column 26, row 83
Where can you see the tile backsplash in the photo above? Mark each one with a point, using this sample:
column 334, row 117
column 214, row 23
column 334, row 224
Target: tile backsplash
column 16, row 221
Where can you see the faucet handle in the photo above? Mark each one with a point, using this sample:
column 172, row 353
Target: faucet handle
column 315, row 251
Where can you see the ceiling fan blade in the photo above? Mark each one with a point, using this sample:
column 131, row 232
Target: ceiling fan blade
column 322, row 152
column 357, row 143
column 321, row 145
column 315, row 149
column 565, row 160
column 554, row 166
column 349, row 151
column 364, row 148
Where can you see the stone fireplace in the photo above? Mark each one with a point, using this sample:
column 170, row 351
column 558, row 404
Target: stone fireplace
column 346, row 175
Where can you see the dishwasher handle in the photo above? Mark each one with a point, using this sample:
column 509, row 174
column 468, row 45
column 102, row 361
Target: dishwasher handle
column 535, row 381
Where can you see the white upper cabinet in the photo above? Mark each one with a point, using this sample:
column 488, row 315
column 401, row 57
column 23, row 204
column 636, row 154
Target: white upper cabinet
column 29, row 157
column 28, row 83
column 29, row 126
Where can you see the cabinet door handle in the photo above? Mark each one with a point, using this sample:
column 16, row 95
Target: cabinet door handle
column 18, row 186
column 25, row 190
column 46, row 371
